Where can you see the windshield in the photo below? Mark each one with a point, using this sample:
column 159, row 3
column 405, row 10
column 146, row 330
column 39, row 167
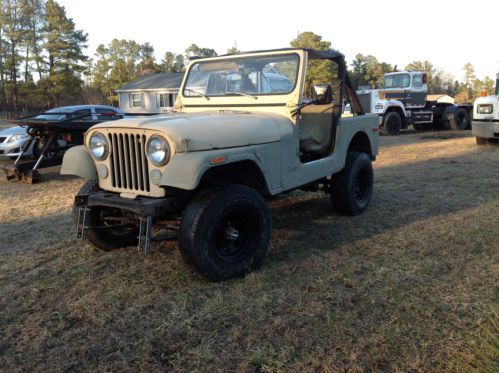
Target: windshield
column 239, row 76
column 397, row 81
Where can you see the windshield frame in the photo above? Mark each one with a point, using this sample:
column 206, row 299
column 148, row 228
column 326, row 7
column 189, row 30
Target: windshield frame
column 242, row 57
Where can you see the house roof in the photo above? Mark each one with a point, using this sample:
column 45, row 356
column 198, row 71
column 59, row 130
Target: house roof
column 154, row 81
column 440, row 98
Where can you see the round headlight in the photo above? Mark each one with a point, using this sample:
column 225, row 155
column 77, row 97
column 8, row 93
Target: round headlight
column 98, row 146
column 158, row 150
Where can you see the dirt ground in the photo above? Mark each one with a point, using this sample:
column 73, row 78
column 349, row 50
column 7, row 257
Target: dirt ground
column 410, row 285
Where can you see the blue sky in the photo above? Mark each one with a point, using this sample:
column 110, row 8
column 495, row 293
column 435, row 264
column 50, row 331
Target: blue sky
column 445, row 32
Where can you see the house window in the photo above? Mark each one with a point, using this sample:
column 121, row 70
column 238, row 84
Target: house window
column 136, row 100
column 166, row 100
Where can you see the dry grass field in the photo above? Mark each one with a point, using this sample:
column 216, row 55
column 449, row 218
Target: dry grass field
column 411, row 285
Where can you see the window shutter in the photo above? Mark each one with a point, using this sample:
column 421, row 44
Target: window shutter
column 130, row 100
column 142, row 99
column 157, row 100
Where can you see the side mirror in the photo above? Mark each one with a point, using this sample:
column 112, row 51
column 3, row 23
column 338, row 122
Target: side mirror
column 322, row 93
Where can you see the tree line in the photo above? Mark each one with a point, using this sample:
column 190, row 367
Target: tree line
column 43, row 64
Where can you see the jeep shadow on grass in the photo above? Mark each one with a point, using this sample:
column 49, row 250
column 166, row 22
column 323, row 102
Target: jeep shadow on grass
column 246, row 128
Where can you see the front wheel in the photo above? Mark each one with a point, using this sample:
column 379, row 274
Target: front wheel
column 225, row 232
column 352, row 187
column 110, row 228
column 392, row 123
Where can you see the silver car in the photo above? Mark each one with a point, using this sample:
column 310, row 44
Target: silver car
column 11, row 140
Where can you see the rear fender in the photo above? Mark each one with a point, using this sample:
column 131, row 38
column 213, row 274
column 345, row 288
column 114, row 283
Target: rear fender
column 77, row 161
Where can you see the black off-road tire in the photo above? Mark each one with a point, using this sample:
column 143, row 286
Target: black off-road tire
column 481, row 140
column 392, row 123
column 104, row 239
column 225, row 232
column 460, row 121
column 351, row 188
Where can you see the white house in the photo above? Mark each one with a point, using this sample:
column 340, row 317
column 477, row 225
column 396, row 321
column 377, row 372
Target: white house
column 150, row 94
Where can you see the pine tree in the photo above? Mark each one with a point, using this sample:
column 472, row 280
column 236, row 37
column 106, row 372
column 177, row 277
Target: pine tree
column 63, row 44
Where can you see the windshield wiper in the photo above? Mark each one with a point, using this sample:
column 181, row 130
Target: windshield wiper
column 243, row 94
column 298, row 108
column 197, row 92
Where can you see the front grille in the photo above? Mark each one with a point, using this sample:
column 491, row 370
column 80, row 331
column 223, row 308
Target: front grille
column 2, row 139
column 128, row 162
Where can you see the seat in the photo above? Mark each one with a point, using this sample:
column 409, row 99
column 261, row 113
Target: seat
column 315, row 129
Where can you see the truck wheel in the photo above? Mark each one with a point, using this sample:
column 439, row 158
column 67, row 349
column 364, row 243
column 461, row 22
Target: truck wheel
column 352, row 187
column 460, row 121
column 107, row 238
column 481, row 140
column 225, row 232
column 392, row 123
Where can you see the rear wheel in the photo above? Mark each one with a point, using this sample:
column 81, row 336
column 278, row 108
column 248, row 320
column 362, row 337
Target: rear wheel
column 460, row 121
column 392, row 123
column 225, row 232
column 111, row 228
column 351, row 188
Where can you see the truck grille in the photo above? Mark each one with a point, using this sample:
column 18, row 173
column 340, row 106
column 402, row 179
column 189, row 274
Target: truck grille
column 128, row 162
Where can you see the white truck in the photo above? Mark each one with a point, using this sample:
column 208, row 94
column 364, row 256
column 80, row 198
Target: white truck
column 404, row 101
column 485, row 124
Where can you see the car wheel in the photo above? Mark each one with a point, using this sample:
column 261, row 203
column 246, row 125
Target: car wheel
column 112, row 228
column 392, row 123
column 481, row 140
column 225, row 232
column 351, row 188
column 460, row 121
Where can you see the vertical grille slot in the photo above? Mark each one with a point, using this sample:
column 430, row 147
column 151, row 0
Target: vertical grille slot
column 128, row 162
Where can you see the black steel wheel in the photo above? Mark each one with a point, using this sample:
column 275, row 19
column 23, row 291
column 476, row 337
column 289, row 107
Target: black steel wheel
column 111, row 228
column 352, row 187
column 392, row 123
column 225, row 232
column 460, row 121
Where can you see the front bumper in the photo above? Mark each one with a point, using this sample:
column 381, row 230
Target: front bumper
column 11, row 149
column 486, row 129
column 142, row 206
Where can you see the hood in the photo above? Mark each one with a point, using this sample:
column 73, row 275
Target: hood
column 205, row 131
column 487, row 100
column 12, row 130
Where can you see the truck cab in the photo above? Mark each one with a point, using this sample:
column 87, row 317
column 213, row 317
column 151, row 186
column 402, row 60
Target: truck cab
column 485, row 124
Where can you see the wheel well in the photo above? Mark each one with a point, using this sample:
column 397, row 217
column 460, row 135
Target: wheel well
column 400, row 112
column 242, row 172
column 360, row 143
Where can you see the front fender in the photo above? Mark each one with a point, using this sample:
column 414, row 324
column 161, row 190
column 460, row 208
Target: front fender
column 185, row 170
column 78, row 162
